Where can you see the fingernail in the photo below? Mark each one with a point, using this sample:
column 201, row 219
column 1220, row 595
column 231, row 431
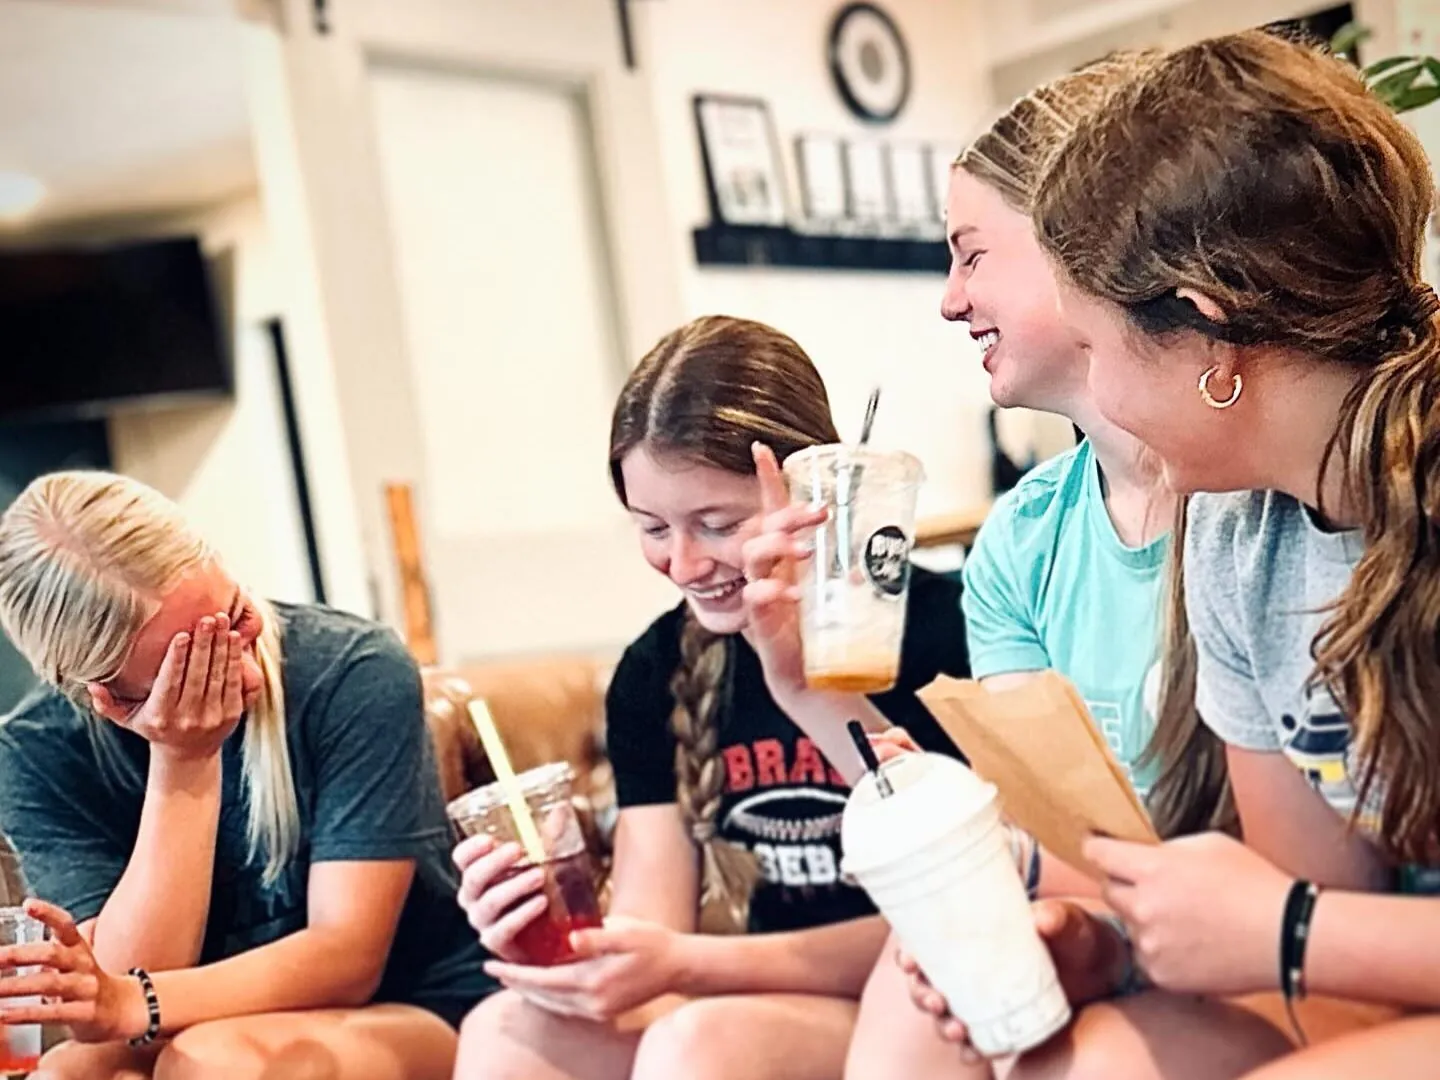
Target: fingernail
column 182, row 640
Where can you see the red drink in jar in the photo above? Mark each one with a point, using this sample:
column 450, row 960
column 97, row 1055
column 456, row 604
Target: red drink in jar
column 569, row 886
column 19, row 1043
column 570, row 889
column 15, row 1060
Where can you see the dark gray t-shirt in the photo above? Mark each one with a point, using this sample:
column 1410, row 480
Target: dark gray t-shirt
column 72, row 787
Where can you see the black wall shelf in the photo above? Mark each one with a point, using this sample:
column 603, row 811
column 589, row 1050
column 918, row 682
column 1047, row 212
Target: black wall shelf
column 763, row 245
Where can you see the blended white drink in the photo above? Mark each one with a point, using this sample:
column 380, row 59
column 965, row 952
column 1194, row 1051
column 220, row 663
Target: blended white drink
column 935, row 859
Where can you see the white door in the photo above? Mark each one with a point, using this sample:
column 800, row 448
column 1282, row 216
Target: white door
column 517, row 334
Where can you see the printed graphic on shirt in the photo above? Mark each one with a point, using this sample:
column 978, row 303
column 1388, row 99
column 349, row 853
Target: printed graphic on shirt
column 784, row 815
column 1126, row 743
column 1318, row 744
column 1150, row 696
column 1107, row 717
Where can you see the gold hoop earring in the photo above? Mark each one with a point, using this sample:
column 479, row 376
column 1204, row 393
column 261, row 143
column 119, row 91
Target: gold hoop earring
column 1237, row 385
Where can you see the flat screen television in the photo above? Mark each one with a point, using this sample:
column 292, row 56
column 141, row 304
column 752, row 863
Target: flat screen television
column 83, row 331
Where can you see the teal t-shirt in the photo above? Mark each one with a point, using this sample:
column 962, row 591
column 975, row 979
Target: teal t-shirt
column 1050, row 585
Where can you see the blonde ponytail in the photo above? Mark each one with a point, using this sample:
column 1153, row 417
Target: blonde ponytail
column 729, row 873
column 84, row 560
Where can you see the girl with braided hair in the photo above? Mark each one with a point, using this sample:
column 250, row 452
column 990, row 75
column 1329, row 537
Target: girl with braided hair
column 728, row 810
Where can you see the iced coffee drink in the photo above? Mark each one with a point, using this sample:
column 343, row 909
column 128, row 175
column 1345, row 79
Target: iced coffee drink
column 854, row 588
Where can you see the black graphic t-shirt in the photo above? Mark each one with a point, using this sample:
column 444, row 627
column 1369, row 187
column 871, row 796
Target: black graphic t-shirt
column 782, row 799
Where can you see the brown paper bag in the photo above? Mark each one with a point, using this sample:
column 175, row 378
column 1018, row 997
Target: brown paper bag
column 1037, row 743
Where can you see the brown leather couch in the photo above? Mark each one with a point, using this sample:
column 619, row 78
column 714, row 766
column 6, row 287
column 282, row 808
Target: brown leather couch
column 546, row 710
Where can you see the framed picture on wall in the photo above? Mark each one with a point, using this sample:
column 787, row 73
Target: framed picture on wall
column 910, row 186
column 743, row 171
column 822, row 177
column 867, row 179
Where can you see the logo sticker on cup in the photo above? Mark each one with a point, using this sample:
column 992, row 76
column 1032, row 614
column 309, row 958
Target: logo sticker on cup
column 887, row 560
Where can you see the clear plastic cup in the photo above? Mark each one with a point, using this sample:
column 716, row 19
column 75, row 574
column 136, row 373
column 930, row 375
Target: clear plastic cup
column 935, row 859
column 19, row 1043
column 569, row 875
column 853, row 592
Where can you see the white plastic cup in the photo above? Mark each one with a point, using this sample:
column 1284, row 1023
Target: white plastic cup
column 935, row 859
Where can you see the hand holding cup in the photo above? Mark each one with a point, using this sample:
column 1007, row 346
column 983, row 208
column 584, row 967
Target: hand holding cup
column 498, row 904
column 772, row 598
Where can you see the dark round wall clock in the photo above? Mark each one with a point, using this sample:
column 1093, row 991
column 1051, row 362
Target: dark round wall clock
column 869, row 62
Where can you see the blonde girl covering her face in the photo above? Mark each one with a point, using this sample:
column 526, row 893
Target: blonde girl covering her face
column 320, row 921
column 86, row 558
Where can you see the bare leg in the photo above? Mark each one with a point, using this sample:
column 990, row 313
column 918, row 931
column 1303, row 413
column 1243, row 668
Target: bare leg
column 749, row 1037
column 894, row 1040
column 1157, row 1035
column 1400, row 1050
column 507, row 1038
column 102, row 1061
column 379, row 1042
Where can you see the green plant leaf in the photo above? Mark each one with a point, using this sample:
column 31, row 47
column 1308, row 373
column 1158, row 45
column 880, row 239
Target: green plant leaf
column 1379, row 67
column 1415, row 98
column 1349, row 36
column 1393, row 85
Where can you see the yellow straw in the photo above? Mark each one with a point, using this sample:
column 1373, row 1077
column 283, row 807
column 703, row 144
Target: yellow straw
column 505, row 776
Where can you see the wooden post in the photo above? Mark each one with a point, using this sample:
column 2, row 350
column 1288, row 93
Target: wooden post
column 415, row 592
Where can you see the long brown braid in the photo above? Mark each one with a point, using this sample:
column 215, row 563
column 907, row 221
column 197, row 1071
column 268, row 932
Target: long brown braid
column 705, row 394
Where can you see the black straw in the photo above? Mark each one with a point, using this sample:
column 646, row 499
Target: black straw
column 867, row 755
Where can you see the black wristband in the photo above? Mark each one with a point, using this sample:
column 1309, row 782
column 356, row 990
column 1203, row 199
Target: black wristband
column 1294, row 936
column 152, row 1005
column 1032, row 871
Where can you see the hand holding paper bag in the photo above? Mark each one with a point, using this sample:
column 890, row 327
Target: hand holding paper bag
column 1057, row 776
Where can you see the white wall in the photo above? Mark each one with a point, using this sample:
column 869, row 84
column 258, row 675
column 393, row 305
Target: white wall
column 227, row 465
column 516, row 565
column 1040, row 39
column 860, row 328
column 510, row 319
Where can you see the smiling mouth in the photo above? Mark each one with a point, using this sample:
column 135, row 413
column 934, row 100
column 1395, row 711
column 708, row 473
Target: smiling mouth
column 987, row 341
column 718, row 592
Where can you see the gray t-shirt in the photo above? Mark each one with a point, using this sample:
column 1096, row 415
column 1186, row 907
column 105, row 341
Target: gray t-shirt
column 72, row 787
column 1259, row 573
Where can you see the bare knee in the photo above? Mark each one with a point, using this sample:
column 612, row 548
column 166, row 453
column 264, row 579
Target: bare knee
column 507, row 1038
column 227, row 1049
column 1154, row 1035
column 690, row 1041
column 105, row 1061
column 494, row 1038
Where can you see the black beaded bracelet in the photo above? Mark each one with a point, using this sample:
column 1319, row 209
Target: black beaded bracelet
column 1294, row 936
column 152, row 1005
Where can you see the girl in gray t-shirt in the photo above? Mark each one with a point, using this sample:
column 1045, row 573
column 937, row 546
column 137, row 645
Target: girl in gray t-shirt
column 1242, row 236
